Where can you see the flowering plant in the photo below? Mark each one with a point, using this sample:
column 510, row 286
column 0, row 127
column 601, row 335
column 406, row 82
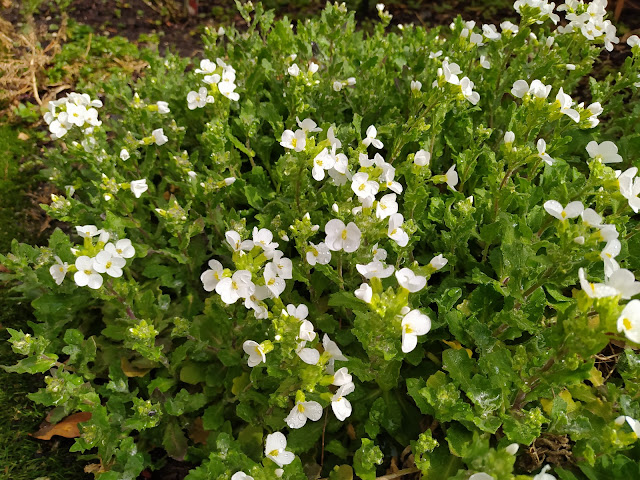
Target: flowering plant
column 329, row 251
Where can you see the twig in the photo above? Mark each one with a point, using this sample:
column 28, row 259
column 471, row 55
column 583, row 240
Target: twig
column 399, row 473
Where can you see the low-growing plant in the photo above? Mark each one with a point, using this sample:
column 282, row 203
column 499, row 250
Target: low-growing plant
column 322, row 251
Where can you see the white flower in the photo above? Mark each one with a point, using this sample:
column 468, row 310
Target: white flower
column 414, row 323
column 122, row 248
column 341, row 377
column 509, row 137
column 138, row 187
column 275, row 449
column 331, row 348
column 624, row 282
column 634, row 424
column 313, row 67
column 378, row 253
column 263, row 238
column 520, row 88
column 105, row 262
column 124, row 154
column 596, row 290
column 484, row 63
column 363, row 187
column 608, row 255
column 163, row 107
column 512, row 448
column 159, row 137
column 341, row 237
column 238, row 286
column 310, row 356
column 339, row 404
column 633, row 41
column 332, row 138
column 395, row 231
column 306, row 332
column 282, row 265
column 422, row 158
column 591, row 218
column 375, row 269
column 59, row 270
column 236, row 243
column 481, row 476
column 466, row 85
column 416, row 85
column 606, row 152
column 539, row 89
column 364, row 293
column 555, row 209
column 308, row 126
column 88, row 231
column 565, row 102
column 226, row 88
column 255, row 352
column 296, row 141
column 210, row 278
column 294, row 70
column 323, row 161
column 410, row 281
column 543, row 475
column 241, row 476
column 542, row 152
column 199, row 99
column 451, row 177
column 337, row 86
column 371, row 138
column 509, row 27
column 629, row 321
column 302, row 411
column 318, row 254
column 86, row 275
column 438, row 262
column 272, row 281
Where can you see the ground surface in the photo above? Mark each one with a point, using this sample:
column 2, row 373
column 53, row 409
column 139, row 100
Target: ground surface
column 22, row 457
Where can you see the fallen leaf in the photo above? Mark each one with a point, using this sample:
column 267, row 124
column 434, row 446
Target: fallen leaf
column 67, row 427
column 197, row 433
column 94, row 468
column 131, row 371
column 457, row 346
column 23, row 136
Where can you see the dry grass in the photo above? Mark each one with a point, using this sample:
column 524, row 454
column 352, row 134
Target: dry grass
column 23, row 61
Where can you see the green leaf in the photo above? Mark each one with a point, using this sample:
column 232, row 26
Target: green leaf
column 366, row 458
column 174, row 440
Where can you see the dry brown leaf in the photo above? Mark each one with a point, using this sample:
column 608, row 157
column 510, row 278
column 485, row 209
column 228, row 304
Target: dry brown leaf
column 197, row 433
column 67, row 427
column 94, row 468
column 131, row 371
column 23, row 136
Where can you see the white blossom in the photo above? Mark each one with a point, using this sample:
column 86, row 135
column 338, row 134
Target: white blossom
column 302, row 411
column 410, row 281
column 275, row 449
column 255, row 352
column 211, row 277
column 414, row 323
column 341, row 237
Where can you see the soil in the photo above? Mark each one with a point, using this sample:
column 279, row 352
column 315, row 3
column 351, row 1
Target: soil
column 181, row 33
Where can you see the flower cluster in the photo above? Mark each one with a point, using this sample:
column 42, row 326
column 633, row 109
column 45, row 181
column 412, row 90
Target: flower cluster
column 221, row 75
column 94, row 259
column 74, row 110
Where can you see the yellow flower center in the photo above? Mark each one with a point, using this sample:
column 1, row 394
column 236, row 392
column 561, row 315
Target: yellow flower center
column 87, row 272
column 108, row 265
column 294, row 142
column 394, row 231
column 273, row 453
column 234, row 285
column 626, row 323
column 301, row 408
column 564, row 214
column 344, row 234
column 361, row 187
